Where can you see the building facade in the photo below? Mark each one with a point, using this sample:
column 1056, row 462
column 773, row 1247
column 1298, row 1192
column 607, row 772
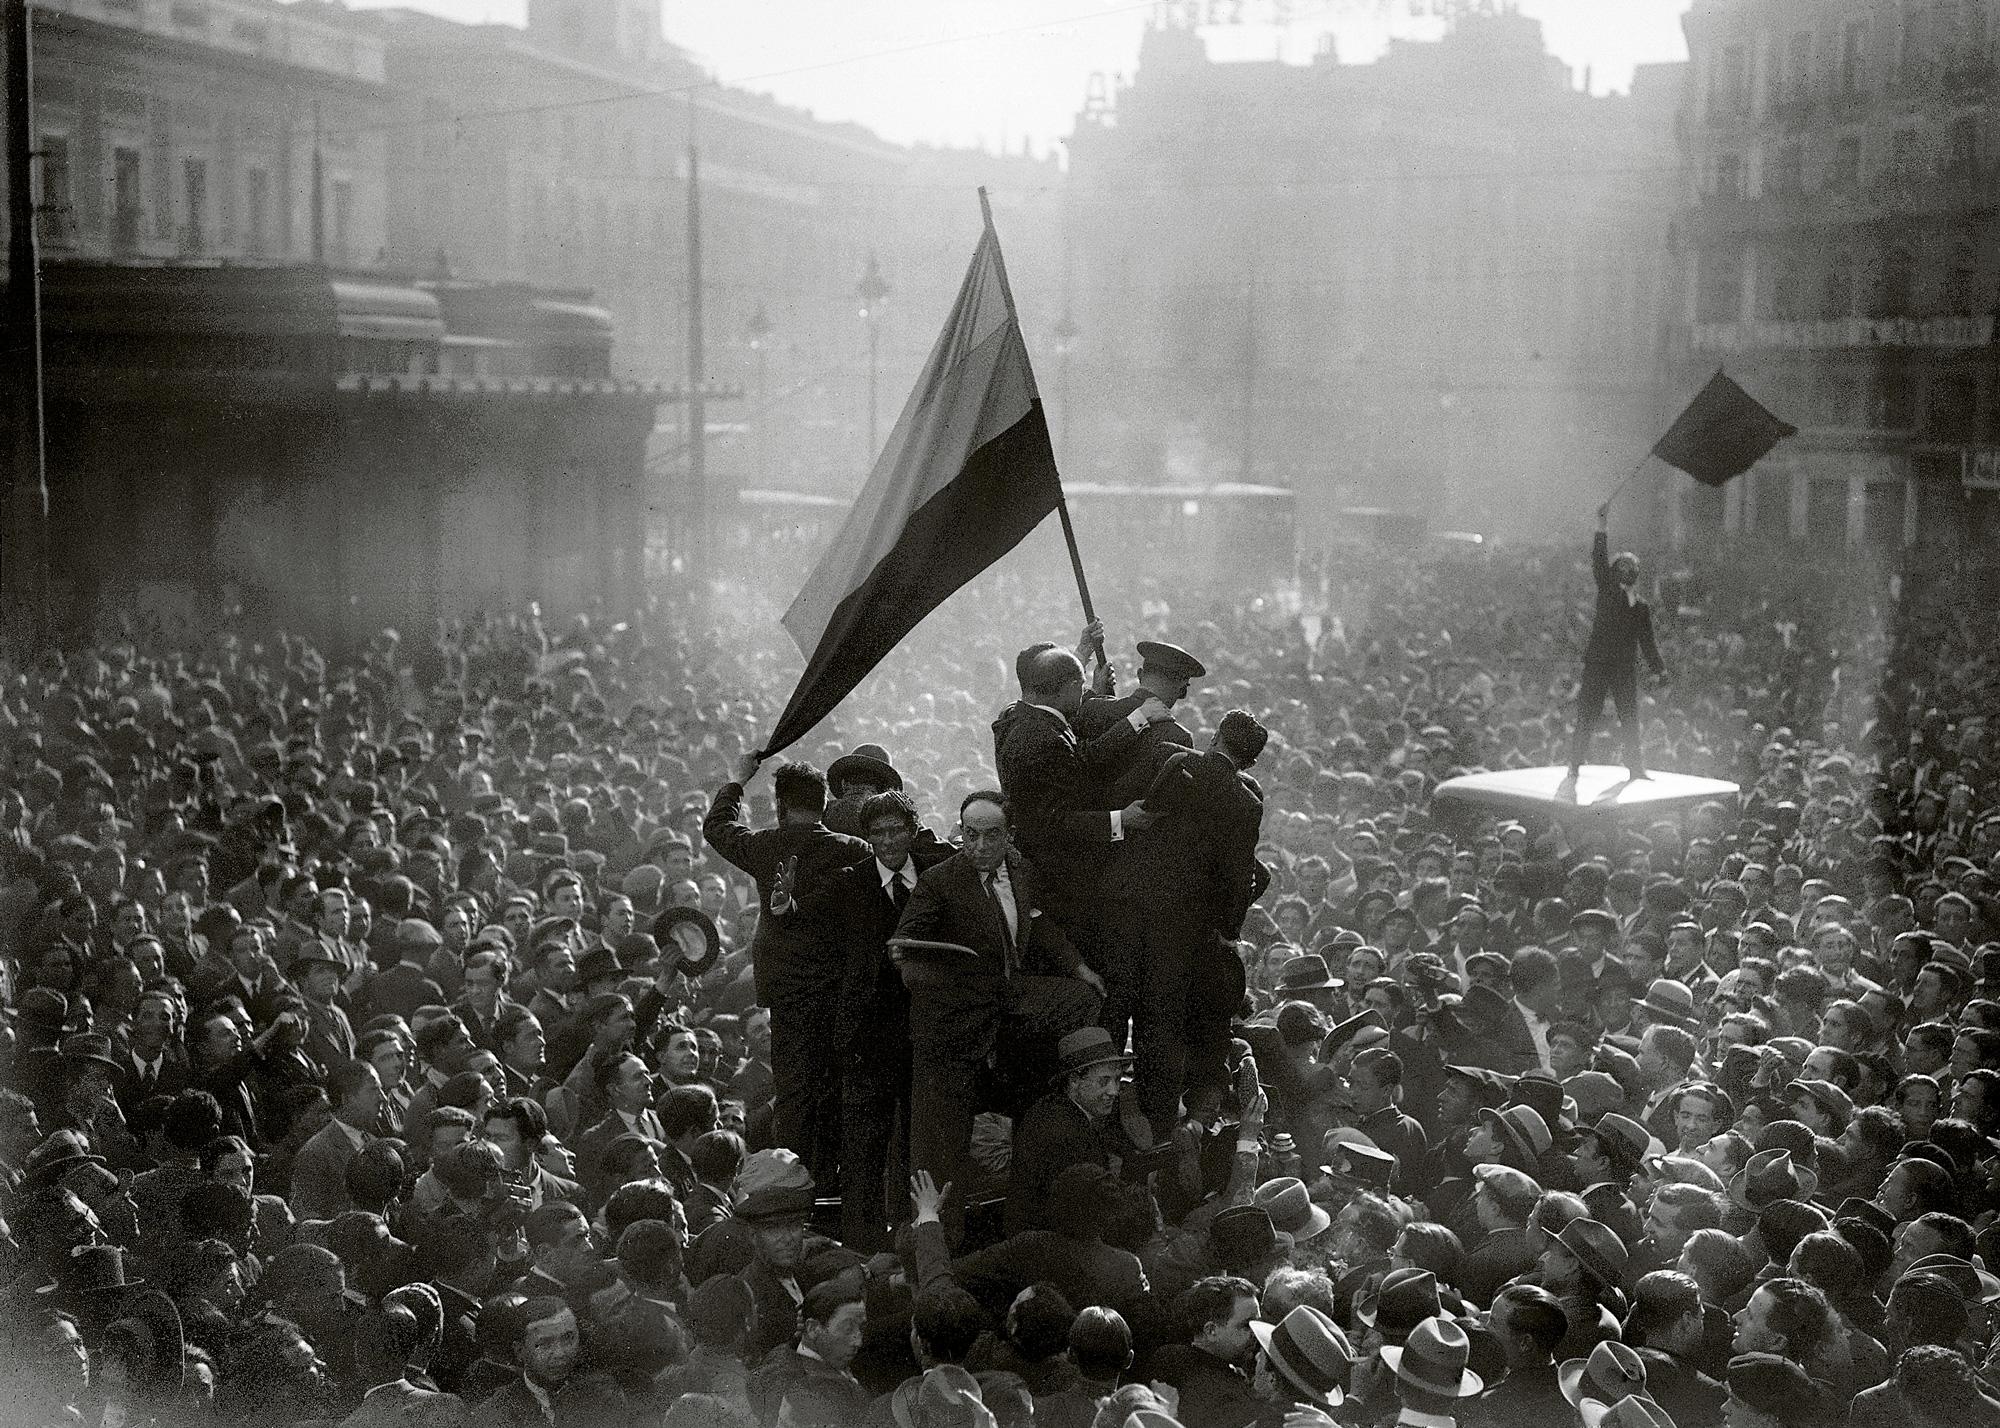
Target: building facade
column 1436, row 282
column 1842, row 245
column 192, row 130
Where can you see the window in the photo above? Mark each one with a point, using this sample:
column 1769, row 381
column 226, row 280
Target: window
column 1729, row 176
column 1962, row 151
column 126, row 210
column 1962, row 295
column 55, row 202
column 1894, row 284
column 1854, row 58
column 1788, row 168
column 1913, row 64
column 1903, row 157
column 256, row 208
column 1733, row 85
column 1798, row 67
column 1837, row 287
column 343, row 218
column 1948, row 413
column 1893, row 407
column 194, row 205
column 1845, row 172
column 1783, row 296
column 1720, row 295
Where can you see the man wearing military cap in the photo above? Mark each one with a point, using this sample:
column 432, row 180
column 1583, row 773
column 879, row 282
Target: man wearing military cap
column 1164, row 674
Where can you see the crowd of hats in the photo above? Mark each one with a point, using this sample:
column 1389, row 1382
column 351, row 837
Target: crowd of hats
column 163, row 794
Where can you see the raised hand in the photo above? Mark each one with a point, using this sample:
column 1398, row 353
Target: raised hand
column 927, row 1196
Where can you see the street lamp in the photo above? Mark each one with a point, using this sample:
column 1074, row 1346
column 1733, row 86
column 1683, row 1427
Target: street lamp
column 871, row 290
column 760, row 330
column 1065, row 334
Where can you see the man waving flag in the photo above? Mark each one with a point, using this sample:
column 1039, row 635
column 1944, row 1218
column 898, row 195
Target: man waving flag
column 966, row 473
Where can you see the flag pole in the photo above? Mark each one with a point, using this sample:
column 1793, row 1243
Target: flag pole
column 1062, row 505
column 1630, row 476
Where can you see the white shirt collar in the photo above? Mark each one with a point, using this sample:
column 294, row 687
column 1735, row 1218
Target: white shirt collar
column 906, row 875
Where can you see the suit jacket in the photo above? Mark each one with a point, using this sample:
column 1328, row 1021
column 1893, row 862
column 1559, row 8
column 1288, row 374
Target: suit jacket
column 1623, row 629
column 1052, row 798
column 818, row 1392
column 1053, row 1136
column 1212, row 1393
column 786, row 959
column 404, row 1405
column 1525, row 1398
column 329, row 1036
column 399, row 990
column 854, row 917
column 319, row 1174
column 130, row 1088
column 1203, row 851
column 585, row 1400
column 458, row 1349
column 591, row 1144
column 1124, row 775
column 954, row 1008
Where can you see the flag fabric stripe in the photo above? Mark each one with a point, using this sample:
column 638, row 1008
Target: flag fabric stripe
column 968, row 470
column 1723, row 433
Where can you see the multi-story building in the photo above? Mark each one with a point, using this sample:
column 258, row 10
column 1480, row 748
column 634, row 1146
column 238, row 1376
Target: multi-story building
column 192, row 129
column 1842, row 245
column 1435, row 283
column 560, row 153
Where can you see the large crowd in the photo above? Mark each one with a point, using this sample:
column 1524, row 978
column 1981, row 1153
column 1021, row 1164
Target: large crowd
column 473, row 1029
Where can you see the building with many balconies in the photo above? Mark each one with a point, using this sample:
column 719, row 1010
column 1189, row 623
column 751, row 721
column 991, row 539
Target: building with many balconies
column 1842, row 248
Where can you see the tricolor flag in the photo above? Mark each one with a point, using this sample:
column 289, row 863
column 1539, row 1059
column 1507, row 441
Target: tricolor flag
column 1722, row 434
column 966, row 473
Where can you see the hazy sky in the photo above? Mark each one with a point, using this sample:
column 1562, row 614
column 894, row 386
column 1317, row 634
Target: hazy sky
column 992, row 71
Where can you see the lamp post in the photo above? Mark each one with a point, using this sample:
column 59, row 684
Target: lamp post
column 1065, row 334
column 871, row 290
column 760, row 330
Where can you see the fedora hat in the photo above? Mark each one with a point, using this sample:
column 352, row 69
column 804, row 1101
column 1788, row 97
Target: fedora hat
column 694, row 932
column 1670, row 1001
column 773, row 1185
column 1307, row 973
column 1368, row 1164
column 1538, row 1089
column 869, row 761
column 1243, row 1235
column 1091, row 1046
column 58, row 1154
column 91, row 1269
column 88, row 1047
column 1291, row 1209
column 1522, row 1128
column 1868, row 1212
column 1771, row 1175
column 1489, row 1088
column 1309, row 1351
column 1401, row 1299
column 1434, row 1360
column 1613, row 1371
column 1828, row 1097
column 1638, row 1411
column 1597, row 1248
column 1626, row 1143
column 1595, row 917
column 1971, row 1277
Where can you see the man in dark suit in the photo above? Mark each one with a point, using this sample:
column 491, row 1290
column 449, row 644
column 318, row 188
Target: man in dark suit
column 1621, row 632
column 1062, row 1129
column 329, row 1036
column 319, row 1172
column 794, row 975
column 854, row 914
column 548, row 1353
column 153, row 1062
column 1052, row 787
column 1177, row 893
column 1164, row 674
column 809, row 1381
column 622, row 1080
column 1023, row 971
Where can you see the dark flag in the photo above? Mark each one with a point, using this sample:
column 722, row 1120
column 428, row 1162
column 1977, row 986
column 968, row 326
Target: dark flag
column 966, row 473
column 1722, row 433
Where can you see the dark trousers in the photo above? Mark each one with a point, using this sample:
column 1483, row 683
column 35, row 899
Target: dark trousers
column 874, row 1118
column 1622, row 687
column 955, row 1027
column 1159, row 943
column 805, row 1091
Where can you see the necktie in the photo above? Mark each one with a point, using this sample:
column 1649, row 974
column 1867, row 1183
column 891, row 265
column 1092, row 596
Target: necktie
column 1000, row 911
column 899, row 891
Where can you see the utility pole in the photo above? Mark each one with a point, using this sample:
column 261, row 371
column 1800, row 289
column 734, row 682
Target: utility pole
column 703, row 524
column 1248, row 461
column 871, row 290
column 760, row 330
column 318, row 204
column 24, row 574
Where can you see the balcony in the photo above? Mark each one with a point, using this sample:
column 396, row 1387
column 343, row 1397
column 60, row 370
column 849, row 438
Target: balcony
column 1946, row 191
column 1846, row 334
